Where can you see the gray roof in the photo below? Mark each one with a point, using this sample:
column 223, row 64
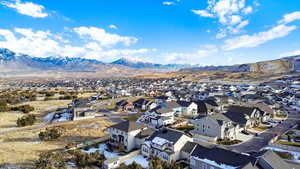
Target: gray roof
column 189, row 147
column 274, row 160
column 236, row 117
column 168, row 134
column 128, row 126
column 223, row 156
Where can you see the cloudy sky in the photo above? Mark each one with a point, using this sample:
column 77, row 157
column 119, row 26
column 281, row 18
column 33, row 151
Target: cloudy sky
column 205, row 32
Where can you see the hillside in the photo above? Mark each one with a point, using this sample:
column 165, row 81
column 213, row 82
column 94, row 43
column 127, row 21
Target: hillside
column 283, row 65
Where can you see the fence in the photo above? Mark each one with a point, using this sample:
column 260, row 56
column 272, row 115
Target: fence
column 115, row 162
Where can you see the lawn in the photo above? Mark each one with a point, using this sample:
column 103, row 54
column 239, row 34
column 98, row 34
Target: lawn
column 289, row 143
column 261, row 128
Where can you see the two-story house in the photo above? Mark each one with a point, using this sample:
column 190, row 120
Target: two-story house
column 215, row 126
column 165, row 144
column 127, row 135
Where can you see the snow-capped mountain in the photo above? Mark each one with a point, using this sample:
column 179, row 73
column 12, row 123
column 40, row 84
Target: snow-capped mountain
column 133, row 63
column 11, row 61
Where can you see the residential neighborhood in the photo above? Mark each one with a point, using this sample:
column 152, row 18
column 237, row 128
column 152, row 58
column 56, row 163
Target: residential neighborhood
column 197, row 125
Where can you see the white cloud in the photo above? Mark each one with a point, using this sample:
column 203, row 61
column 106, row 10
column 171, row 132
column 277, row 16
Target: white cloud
column 203, row 13
column 292, row 53
column 235, row 19
column 104, row 38
column 248, row 10
column 247, row 41
column 230, row 14
column 168, row 3
column 27, row 8
column 113, row 26
column 290, row 17
column 44, row 43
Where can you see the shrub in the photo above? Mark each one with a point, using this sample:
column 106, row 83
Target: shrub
column 50, row 134
column 24, row 108
column 88, row 159
column 51, row 160
column 26, row 120
column 131, row 166
column 228, row 141
column 156, row 163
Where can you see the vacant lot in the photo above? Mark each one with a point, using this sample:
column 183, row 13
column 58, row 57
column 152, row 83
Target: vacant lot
column 21, row 146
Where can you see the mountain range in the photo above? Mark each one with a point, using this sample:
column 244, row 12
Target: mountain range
column 13, row 62
column 21, row 63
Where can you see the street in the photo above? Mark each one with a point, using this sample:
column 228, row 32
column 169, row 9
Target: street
column 257, row 143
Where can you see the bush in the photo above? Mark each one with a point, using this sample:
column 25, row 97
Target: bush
column 228, row 141
column 3, row 103
column 24, row 108
column 50, row 134
column 131, row 166
column 88, row 159
column 26, row 120
column 156, row 163
column 51, row 160
column 67, row 97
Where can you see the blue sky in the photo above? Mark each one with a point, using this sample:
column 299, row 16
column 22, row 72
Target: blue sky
column 205, row 32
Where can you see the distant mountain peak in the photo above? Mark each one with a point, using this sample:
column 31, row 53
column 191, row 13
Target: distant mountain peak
column 143, row 64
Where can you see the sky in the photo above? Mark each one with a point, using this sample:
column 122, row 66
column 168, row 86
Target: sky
column 204, row 32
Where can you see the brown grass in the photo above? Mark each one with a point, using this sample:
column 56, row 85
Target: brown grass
column 21, row 146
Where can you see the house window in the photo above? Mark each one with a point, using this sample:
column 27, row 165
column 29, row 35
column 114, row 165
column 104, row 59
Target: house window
column 193, row 162
column 165, row 157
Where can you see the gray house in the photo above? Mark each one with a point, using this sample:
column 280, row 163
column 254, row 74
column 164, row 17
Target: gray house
column 216, row 126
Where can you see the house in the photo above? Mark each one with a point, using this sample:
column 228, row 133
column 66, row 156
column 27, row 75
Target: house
column 245, row 117
column 188, row 109
column 215, row 126
column 143, row 104
column 267, row 159
column 211, row 105
column 161, row 99
column 218, row 158
column 124, row 105
column 165, row 144
column 128, row 135
column 159, row 116
column 81, row 109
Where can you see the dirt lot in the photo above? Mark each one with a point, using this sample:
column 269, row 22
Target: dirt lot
column 21, row 146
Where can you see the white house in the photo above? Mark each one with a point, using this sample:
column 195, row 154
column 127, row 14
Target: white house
column 165, row 144
column 161, row 115
column 128, row 135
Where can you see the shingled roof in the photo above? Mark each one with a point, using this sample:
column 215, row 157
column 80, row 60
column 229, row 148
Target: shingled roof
column 128, row 126
column 222, row 156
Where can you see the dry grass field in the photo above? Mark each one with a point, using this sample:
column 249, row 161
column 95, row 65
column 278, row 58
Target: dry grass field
column 21, row 146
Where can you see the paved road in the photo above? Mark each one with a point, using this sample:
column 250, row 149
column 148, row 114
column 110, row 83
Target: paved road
column 257, row 143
